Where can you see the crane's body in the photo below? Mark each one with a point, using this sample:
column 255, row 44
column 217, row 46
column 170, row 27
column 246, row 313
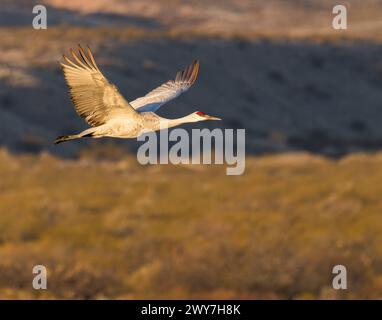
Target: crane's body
column 110, row 115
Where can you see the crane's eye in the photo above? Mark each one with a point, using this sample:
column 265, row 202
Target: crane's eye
column 200, row 113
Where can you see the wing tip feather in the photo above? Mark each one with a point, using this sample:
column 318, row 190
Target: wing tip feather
column 189, row 74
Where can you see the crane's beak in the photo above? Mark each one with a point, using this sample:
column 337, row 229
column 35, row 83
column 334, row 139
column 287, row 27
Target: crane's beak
column 211, row 117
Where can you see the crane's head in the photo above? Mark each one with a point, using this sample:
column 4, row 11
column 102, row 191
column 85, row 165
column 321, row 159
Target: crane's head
column 201, row 116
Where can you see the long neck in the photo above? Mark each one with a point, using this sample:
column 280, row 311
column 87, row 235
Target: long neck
column 169, row 123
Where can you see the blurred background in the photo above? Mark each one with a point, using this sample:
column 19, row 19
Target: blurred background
column 309, row 97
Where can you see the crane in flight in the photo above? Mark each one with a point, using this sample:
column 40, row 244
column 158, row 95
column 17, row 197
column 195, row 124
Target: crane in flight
column 108, row 113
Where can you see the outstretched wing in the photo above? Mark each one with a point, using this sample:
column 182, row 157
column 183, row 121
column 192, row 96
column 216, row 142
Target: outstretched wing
column 94, row 97
column 167, row 91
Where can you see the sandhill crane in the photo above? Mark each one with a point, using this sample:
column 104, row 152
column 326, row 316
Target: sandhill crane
column 108, row 112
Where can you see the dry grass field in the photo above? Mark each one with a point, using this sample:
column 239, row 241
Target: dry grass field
column 115, row 229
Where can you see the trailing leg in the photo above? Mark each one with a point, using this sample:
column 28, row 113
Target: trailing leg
column 86, row 133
